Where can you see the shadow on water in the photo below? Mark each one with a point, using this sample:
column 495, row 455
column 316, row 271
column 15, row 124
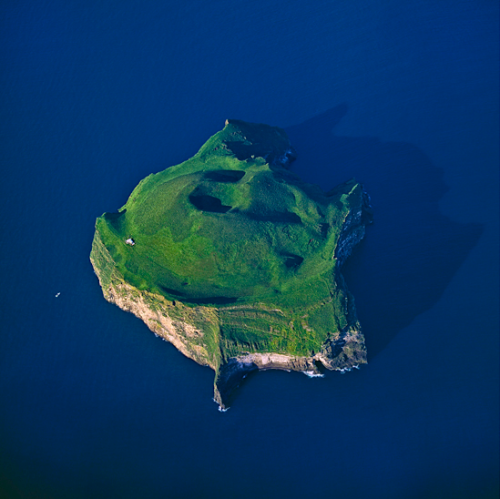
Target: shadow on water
column 412, row 251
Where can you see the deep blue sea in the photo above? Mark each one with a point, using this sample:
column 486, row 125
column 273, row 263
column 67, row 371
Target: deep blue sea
column 402, row 95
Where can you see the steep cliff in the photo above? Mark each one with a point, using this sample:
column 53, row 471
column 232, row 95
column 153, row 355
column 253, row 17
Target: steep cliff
column 236, row 261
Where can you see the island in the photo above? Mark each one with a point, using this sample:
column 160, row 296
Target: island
column 236, row 261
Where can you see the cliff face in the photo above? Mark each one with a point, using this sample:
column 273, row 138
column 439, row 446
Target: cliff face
column 292, row 311
column 188, row 329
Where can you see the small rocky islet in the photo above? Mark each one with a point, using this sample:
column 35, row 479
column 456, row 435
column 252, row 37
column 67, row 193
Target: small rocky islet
column 236, row 261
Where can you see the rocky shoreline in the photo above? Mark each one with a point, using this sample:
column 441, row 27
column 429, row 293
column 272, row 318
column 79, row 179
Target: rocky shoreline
column 235, row 334
column 346, row 353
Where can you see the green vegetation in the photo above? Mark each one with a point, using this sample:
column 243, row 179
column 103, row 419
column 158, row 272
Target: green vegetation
column 234, row 232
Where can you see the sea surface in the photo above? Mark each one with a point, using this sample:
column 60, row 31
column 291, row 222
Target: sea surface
column 403, row 96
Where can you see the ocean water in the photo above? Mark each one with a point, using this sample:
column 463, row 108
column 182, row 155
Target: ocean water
column 401, row 95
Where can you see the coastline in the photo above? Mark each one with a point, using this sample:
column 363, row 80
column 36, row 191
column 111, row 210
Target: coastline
column 186, row 327
column 301, row 316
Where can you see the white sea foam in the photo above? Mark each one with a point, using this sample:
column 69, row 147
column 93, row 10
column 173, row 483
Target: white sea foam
column 220, row 408
column 348, row 369
column 312, row 374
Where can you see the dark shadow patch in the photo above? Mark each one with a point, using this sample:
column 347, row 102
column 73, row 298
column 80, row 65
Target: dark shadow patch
column 187, row 299
column 215, row 300
column 204, row 202
column 244, row 151
column 286, row 217
column 226, row 176
column 273, row 155
column 231, row 377
column 320, row 367
column 412, row 251
column 172, row 292
column 293, row 261
column 114, row 216
column 115, row 219
column 324, row 229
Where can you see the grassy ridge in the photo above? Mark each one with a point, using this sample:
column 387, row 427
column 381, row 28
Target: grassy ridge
column 233, row 230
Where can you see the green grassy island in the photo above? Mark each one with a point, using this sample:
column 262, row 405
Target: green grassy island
column 236, row 261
